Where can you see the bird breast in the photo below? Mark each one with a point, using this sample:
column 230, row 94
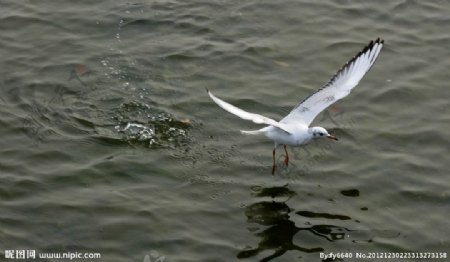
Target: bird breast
column 299, row 136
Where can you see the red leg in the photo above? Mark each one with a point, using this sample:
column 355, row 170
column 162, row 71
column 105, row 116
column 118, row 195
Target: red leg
column 273, row 165
column 286, row 159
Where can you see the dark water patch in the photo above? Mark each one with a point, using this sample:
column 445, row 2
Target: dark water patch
column 83, row 122
column 181, row 57
column 14, row 189
column 148, row 22
column 267, row 213
column 322, row 215
column 256, row 50
column 272, row 192
column 108, row 140
column 181, row 26
column 350, row 192
column 194, row 17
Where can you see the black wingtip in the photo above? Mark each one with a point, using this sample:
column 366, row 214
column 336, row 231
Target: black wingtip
column 379, row 41
column 368, row 47
column 207, row 90
column 372, row 43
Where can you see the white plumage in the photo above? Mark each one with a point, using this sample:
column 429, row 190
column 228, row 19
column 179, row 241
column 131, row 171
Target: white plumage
column 294, row 129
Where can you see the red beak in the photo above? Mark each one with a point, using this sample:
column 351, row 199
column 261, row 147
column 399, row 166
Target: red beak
column 332, row 137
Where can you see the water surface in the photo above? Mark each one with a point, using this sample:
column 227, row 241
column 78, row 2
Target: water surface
column 111, row 145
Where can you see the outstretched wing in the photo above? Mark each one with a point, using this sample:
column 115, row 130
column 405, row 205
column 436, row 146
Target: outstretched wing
column 258, row 119
column 339, row 86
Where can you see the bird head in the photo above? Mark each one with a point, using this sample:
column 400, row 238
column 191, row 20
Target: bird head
column 320, row 132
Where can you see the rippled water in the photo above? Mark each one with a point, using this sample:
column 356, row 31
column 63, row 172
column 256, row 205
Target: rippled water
column 111, row 145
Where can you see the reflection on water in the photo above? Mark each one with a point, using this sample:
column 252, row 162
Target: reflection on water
column 280, row 233
column 280, row 229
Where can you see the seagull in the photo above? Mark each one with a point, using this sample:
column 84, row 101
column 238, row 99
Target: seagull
column 293, row 129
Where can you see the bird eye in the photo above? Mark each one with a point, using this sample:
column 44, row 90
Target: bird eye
column 321, row 134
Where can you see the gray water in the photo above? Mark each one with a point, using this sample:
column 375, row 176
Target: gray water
column 111, row 145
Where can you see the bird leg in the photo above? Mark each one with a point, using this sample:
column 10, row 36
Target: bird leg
column 286, row 159
column 273, row 165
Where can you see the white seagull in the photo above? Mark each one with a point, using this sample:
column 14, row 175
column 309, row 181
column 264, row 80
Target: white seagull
column 293, row 129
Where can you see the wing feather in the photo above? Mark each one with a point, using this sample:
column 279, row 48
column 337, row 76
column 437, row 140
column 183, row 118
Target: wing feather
column 338, row 87
column 255, row 118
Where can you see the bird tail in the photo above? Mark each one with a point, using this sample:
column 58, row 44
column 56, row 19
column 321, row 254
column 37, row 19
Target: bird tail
column 253, row 132
column 257, row 132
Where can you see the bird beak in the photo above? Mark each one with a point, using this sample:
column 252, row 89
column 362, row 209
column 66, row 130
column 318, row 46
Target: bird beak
column 332, row 137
